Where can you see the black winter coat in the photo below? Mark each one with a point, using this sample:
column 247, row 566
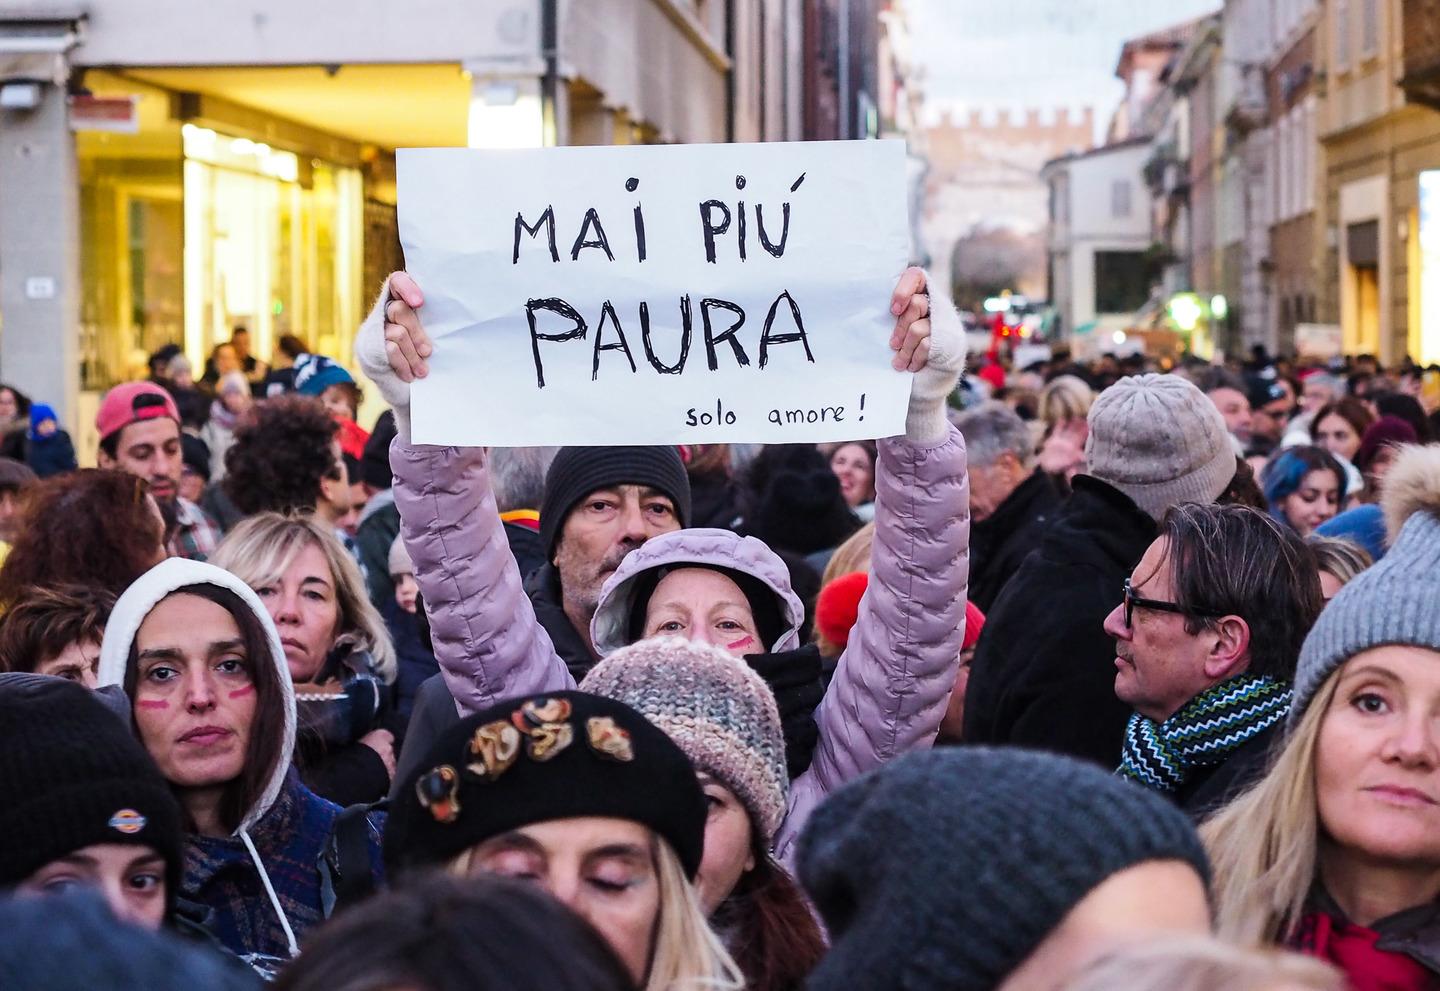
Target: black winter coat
column 1000, row 542
column 1206, row 790
column 543, row 588
column 1044, row 670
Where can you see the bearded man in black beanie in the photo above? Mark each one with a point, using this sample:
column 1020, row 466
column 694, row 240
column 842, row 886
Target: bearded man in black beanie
column 600, row 504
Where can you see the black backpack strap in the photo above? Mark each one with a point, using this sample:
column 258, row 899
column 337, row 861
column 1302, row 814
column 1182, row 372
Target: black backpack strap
column 347, row 874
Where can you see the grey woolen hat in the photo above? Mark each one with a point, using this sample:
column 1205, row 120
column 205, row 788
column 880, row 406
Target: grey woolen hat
column 947, row 868
column 1396, row 601
column 1159, row 440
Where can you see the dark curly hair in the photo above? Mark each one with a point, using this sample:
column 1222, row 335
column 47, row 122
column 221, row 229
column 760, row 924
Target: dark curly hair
column 92, row 527
column 281, row 453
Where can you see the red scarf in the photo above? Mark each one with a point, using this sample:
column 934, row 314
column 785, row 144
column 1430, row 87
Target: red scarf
column 1352, row 949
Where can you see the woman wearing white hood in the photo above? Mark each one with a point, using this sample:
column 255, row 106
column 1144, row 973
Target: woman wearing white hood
column 199, row 658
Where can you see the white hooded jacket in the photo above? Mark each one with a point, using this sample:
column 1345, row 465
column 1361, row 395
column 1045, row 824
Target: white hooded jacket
column 130, row 611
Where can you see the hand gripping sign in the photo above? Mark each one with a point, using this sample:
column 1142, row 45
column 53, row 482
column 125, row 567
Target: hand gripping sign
column 657, row 295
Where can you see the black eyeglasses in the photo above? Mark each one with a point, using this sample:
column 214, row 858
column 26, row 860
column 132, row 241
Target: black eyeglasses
column 1159, row 605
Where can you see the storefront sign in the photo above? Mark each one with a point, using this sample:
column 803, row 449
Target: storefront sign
column 1321, row 341
column 118, row 114
column 657, row 295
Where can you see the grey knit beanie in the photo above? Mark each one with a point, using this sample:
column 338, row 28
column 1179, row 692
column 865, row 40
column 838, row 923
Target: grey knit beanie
column 715, row 708
column 947, row 868
column 399, row 559
column 1396, row 601
column 1159, row 440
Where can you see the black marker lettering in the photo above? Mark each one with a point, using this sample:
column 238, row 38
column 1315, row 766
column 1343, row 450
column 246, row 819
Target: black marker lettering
column 592, row 219
column 775, row 249
column 607, row 312
column 767, row 339
column 548, row 219
column 711, row 230
column 686, row 326
column 554, row 306
column 639, row 234
column 706, row 305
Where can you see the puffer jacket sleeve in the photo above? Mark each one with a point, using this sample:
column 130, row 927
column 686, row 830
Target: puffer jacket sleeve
column 487, row 640
column 894, row 679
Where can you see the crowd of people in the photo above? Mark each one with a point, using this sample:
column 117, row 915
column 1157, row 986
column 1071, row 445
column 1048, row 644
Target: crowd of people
column 1099, row 676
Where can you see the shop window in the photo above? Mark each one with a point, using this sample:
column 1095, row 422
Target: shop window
column 131, row 237
column 1121, row 285
column 272, row 244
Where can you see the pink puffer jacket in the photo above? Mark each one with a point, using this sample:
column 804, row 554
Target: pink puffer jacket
column 890, row 687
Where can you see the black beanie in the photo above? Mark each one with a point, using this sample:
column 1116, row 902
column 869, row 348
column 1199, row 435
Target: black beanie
column 72, row 776
column 578, row 471
column 537, row 759
column 73, row 942
column 195, row 455
column 947, row 868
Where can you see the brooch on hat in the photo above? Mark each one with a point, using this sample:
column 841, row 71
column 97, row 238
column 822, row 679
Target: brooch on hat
column 127, row 821
column 608, row 739
column 439, row 792
column 543, row 721
column 493, row 748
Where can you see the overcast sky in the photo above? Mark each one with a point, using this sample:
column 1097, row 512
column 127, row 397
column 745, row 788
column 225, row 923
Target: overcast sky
column 1041, row 53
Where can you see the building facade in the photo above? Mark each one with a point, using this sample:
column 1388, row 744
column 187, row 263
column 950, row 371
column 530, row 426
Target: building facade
column 168, row 177
column 1098, row 237
column 1380, row 136
column 984, row 176
column 1291, row 91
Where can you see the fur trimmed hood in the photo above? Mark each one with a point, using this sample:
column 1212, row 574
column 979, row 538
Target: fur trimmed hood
column 1412, row 485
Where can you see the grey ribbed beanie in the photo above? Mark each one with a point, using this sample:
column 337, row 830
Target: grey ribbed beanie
column 1159, row 440
column 1396, row 601
column 947, row 868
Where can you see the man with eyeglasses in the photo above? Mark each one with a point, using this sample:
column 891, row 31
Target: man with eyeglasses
column 1206, row 639
column 139, row 427
column 1043, row 674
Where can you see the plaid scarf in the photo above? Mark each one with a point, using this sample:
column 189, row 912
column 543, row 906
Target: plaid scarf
column 1206, row 731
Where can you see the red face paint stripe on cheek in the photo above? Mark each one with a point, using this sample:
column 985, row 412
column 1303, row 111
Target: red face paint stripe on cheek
column 742, row 642
column 153, row 704
column 242, row 692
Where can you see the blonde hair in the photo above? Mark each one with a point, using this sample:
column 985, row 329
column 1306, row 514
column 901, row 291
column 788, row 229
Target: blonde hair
column 686, row 955
column 1262, row 846
column 1066, row 397
column 1200, row 963
column 1342, row 559
column 260, row 549
column 851, row 556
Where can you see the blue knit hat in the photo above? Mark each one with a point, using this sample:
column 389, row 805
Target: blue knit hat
column 1394, row 602
column 39, row 413
column 314, row 373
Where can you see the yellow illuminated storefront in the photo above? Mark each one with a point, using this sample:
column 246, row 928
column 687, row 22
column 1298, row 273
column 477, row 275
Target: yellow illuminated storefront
column 190, row 230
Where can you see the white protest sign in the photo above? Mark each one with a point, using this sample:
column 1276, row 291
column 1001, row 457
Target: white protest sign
column 657, row 295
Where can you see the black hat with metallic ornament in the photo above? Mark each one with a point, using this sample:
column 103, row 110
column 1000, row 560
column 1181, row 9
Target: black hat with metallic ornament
column 539, row 758
column 73, row 776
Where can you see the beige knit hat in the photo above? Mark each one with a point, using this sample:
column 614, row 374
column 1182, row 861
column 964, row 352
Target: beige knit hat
column 399, row 561
column 1161, row 441
column 717, row 710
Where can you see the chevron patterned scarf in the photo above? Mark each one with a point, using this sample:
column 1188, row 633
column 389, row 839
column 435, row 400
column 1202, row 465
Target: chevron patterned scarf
column 1206, row 731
